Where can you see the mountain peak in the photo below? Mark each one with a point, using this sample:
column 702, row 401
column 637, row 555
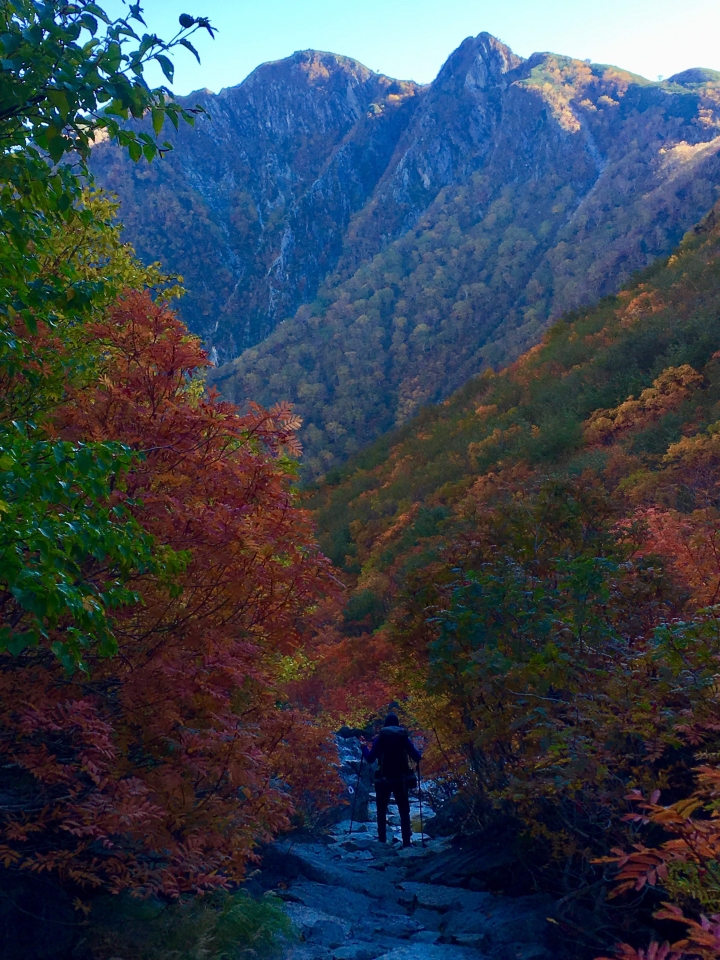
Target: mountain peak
column 479, row 62
column 313, row 67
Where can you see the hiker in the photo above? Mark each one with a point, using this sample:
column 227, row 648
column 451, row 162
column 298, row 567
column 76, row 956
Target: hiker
column 391, row 748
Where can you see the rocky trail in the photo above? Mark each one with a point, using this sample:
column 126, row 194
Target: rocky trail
column 353, row 898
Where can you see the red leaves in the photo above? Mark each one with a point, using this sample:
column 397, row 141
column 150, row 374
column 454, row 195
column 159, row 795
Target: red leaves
column 703, row 940
column 163, row 768
column 655, row 951
column 692, row 841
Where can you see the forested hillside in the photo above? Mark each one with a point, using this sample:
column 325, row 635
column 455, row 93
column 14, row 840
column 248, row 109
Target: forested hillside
column 424, row 233
column 547, row 410
column 536, row 560
column 529, row 189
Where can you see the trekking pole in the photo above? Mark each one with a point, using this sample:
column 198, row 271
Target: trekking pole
column 422, row 831
column 357, row 790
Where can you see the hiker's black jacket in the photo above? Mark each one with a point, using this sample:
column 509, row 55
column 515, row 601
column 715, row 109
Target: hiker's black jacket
column 391, row 748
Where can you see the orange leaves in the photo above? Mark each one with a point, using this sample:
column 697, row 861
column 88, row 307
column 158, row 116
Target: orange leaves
column 637, row 869
column 655, row 951
column 703, row 936
column 701, row 943
column 691, row 544
column 643, row 304
column 694, row 840
column 668, row 391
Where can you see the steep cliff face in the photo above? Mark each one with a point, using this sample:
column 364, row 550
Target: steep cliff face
column 252, row 203
column 447, row 138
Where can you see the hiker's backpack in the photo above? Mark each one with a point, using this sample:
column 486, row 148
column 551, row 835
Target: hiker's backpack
column 393, row 765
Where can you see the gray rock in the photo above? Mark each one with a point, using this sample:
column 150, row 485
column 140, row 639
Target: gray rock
column 371, row 909
column 364, row 844
column 430, row 919
column 314, row 862
column 317, row 926
column 306, row 951
column 335, row 901
column 501, row 922
column 356, row 950
column 327, row 932
column 436, row 897
column 431, row 951
column 426, row 936
column 399, row 927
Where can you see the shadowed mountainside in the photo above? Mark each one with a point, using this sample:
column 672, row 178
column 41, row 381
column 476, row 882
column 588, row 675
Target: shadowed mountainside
column 609, row 390
column 252, row 203
column 530, row 188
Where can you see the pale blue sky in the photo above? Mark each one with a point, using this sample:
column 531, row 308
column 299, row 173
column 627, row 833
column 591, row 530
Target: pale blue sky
column 410, row 39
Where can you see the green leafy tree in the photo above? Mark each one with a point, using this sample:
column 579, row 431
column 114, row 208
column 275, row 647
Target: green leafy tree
column 69, row 74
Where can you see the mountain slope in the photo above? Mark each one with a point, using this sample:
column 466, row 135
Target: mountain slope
column 411, row 236
column 610, row 391
column 532, row 187
column 533, row 575
column 251, row 204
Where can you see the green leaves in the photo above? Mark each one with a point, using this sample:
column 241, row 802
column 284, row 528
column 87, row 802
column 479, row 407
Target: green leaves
column 69, row 546
column 67, row 551
column 158, row 118
column 60, row 70
column 166, row 66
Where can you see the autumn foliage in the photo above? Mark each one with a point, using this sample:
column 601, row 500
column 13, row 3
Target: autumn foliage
column 531, row 569
column 160, row 768
column 538, row 563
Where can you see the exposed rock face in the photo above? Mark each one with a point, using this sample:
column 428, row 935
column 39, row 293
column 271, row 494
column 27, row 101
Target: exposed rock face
column 447, row 139
column 252, row 203
column 411, row 235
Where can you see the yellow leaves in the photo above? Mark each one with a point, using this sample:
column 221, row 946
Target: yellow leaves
column 8, row 857
column 668, row 392
column 684, row 809
column 295, row 667
column 497, row 438
column 645, row 304
column 692, row 451
column 399, row 524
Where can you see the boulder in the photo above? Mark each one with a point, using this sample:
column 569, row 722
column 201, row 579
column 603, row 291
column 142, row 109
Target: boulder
column 488, row 860
column 315, row 926
column 434, row 897
column 501, row 923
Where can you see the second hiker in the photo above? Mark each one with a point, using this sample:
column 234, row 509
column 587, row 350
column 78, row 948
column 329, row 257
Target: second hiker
column 391, row 748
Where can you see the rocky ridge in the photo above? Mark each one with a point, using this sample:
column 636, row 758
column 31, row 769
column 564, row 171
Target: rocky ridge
column 519, row 191
column 252, row 203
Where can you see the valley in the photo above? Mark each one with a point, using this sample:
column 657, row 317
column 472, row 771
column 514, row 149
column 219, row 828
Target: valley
column 361, row 246
column 359, row 439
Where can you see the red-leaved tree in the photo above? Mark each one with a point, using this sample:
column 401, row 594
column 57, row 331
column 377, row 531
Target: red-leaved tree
column 160, row 768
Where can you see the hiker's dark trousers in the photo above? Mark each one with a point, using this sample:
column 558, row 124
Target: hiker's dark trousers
column 399, row 789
